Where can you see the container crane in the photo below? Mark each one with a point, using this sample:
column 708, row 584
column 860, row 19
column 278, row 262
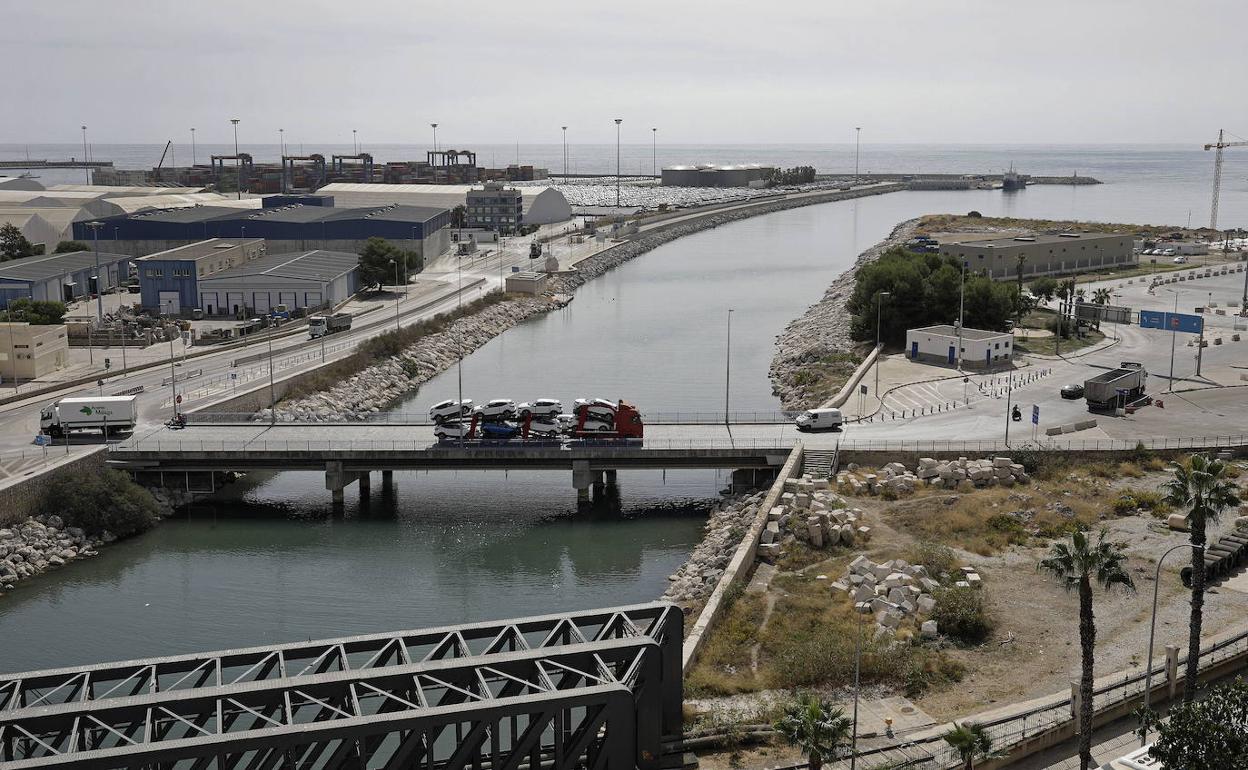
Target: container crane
column 1217, row 174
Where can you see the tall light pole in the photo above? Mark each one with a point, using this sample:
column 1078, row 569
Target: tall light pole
column 396, row 294
column 654, row 150
column 727, row 365
column 434, row 126
column 173, row 377
column 961, row 312
column 281, row 143
column 238, row 164
column 1152, row 627
column 272, row 390
column 192, row 146
column 618, row 121
column 853, row 745
column 1174, row 335
column 99, row 287
column 86, row 170
column 857, row 148
column 565, row 163
column 355, row 144
column 879, row 303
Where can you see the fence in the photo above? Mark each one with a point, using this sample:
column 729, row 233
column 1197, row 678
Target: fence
column 421, row 419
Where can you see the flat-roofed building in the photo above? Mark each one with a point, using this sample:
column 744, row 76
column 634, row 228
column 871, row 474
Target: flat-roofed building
column 60, row 277
column 28, row 352
column 939, row 344
column 312, row 280
column 1048, row 254
column 169, row 280
column 526, row 282
column 494, row 207
column 542, row 205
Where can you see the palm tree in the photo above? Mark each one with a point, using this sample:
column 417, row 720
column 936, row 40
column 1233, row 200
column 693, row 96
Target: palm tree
column 971, row 741
column 1077, row 564
column 1100, row 297
column 1202, row 488
column 816, row 727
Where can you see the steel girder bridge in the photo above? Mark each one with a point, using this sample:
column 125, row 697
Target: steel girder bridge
column 595, row 690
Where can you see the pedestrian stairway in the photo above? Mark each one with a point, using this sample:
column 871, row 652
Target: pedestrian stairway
column 818, row 462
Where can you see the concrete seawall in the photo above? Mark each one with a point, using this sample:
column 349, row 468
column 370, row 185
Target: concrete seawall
column 20, row 500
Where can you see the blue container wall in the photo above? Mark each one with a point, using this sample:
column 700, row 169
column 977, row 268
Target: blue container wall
column 150, row 285
column 10, row 293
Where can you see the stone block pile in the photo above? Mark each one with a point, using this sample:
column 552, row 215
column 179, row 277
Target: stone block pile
column 725, row 528
column 951, row 474
column 809, row 511
column 895, row 591
column 42, row 543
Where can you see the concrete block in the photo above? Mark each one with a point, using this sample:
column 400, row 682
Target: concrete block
column 897, row 596
column 975, row 580
column 962, row 584
column 1177, row 521
column 790, row 485
column 771, row 533
column 882, row 571
column 1002, row 462
column 815, row 530
column 840, row 586
column 801, row 500
column 926, row 603
column 929, row 629
column 769, row 552
column 889, row 620
column 863, row 608
column 864, row 533
column 863, row 593
column 847, row 534
column 860, row 564
column 928, row 584
column 775, row 513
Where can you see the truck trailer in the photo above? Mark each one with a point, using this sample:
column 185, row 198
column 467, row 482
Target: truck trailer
column 107, row 414
column 1116, row 388
column 320, row 325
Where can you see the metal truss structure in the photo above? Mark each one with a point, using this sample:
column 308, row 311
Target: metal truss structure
column 595, row 690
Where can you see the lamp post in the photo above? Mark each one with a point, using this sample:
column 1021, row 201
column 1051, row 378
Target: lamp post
column 396, row 294
column 173, row 375
column 565, row 154
column 238, row 164
column 727, row 365
column 13, row 359
column 853, row 745
column 879, row 303
column 99, row 287
column 272, row 391
column 434, row 126
column 192, row 146
column 961, row 312
column 355, row 144
column 1174, row 335
column 1152, row 627
column 86, row 169
column 618, row 121
column 654, row 150
column 857, row 148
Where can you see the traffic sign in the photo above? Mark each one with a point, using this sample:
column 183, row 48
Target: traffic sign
column 862, row 389
column 108, row 363
column 1035, row 414
column 1181, row 322
column 178, row 400
column 42, row 439
column 233, row 375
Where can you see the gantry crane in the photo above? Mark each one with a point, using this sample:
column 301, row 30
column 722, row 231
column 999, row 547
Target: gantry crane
column 1217, row 174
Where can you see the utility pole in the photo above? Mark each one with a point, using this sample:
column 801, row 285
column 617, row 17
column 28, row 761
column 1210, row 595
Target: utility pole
column 355, row 144
column 654, row 152
column 237, row 161
column 857, row 147
column 99, row 286
column 853, row 750
column 1174, row 335
column 727, row 365
column 961, row 312
column 565, row 154
column 879, row 303
column 86, row 169
column 435, row 136
column 192, row 146
column 618, row 121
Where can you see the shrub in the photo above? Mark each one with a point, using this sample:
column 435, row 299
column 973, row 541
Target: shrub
column 962, row 614
column 936, row 557
column 101, row 501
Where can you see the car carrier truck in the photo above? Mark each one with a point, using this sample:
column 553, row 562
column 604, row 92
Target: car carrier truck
column 107, row 414
column 1116, row 388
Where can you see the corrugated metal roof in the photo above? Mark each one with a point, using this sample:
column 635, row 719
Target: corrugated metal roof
column 136, row 203
column 52, row 265
column 60, row 217
column 316, row 265
column 109, row 191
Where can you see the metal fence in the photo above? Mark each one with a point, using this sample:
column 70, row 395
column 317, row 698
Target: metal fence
column 422, row 419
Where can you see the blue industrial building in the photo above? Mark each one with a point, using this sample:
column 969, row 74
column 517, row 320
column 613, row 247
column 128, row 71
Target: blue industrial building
column 169, row 280
column 60, row 277
column 290, row 228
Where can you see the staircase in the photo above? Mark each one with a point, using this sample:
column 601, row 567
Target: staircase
column 819, row 462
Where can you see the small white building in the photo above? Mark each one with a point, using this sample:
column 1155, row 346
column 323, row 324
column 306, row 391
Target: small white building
column 526, row 282
column 939, row 344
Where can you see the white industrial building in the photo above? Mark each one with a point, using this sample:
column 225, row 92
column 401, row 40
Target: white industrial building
column 542, row 205
column 135, row 204
column 312, row 280
column 939, row 344
column 47, row 225
column 19, row 183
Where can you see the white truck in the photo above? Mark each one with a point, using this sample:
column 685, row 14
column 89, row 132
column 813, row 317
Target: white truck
column 108, row 414
column 320, row 325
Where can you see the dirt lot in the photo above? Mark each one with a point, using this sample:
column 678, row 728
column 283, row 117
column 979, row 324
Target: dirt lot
column 1034, row 650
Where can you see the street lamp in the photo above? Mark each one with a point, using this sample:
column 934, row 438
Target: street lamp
column 355, row 145
column 99, row 288
column 396, row 294
column 1152, row 626
column 879, row 303
column 1174, row 335
column 853, row 750
column 173, row 372
column 565, row 154
column 237, row 163
column 727, row 365
column 654, row 149
column 434, row 126
column 86, row 169
column 618, row 121
column 192, row 147
column 961, row 312
column 857, row 147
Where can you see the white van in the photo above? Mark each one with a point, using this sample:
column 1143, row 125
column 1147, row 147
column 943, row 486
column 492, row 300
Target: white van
column 1140, row 759
column 820, row 419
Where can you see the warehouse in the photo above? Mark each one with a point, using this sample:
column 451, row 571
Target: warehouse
column 53, row 225
column 169, row 280
column 286, row 229
column 939, row 344
column 310, row 280
column 59, row 277
column 708, row 175
column 542, row 205
column 1043, row 254
column 19, row 183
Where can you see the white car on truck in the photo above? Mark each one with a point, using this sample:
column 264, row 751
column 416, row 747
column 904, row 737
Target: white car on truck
column 820, row 419
column 497, row 409
column 450, row 409
column 540, row 409
column 107, row 414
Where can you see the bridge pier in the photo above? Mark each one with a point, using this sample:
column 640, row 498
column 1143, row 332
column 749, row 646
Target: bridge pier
column 336, row 481
column 387, row 482
column 366, row 484
column 582, row 477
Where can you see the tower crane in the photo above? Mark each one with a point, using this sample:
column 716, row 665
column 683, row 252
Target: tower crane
column 1217, row 174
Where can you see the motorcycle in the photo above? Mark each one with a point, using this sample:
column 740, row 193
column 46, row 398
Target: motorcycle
column 177, row 423
column 1017, row 415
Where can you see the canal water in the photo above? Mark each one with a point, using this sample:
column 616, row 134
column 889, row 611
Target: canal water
column 267, row 562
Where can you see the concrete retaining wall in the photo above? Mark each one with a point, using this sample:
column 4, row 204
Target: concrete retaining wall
column 851, row 385
column 741, row 564
column 21, row 499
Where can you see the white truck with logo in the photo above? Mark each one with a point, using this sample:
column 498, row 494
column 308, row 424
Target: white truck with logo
column 107, row 414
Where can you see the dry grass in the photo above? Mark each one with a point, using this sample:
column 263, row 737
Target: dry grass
column 723, row 665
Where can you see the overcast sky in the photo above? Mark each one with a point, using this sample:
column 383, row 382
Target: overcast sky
column 727, row 71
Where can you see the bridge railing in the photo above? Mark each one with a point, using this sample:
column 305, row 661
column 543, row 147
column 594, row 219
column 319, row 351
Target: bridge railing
column 420, row 418
column 244, row 446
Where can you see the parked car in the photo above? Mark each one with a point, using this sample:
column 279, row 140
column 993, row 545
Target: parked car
column 545, row 427
column 498, row 431
column 598, row 408
column 450, row 409
column 452, row 429
column 1072, row 391
column 1170, row 253
column 543, row 408
column 496, row 409
column 1180, row 260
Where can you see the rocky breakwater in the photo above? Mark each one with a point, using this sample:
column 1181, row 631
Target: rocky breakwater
column 729, row 521
column 42, row 543
column 379, row 385
column 822, row 332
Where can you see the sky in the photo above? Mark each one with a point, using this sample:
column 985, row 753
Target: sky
column 704, row 72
